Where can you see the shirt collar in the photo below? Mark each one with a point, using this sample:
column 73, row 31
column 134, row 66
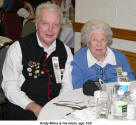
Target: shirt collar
column 49, row 50
column 110, row 59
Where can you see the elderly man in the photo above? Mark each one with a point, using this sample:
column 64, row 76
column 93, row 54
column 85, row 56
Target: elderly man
column 33, row 67
column 97, row 60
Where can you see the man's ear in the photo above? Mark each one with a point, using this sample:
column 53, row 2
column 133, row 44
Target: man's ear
column 36, row 24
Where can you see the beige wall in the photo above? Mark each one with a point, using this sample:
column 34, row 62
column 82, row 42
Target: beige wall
column 118, row 13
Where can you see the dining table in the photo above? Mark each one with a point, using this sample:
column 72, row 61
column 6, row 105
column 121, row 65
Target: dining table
column 53, row 112
column 80, row 106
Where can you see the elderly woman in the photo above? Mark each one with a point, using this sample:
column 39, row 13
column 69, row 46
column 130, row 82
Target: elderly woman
column 97, row 60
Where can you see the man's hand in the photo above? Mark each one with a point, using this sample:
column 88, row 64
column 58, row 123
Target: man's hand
column 35, row 108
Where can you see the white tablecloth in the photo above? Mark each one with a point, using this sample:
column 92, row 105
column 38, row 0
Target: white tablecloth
column 52, row 112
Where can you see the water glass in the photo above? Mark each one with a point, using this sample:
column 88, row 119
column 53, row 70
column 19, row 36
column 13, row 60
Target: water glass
column 102, row 111
column 102, row 104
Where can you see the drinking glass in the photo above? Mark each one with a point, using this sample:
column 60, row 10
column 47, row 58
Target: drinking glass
column 102, row 104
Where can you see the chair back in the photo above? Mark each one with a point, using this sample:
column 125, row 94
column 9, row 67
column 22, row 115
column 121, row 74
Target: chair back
column 12, row 26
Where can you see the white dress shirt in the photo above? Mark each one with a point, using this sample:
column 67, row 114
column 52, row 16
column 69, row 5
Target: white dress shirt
column 13, row 77
column 109, row 59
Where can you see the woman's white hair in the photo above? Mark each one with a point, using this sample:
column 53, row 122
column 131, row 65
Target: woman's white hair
column 93, row 25
column 50, row 7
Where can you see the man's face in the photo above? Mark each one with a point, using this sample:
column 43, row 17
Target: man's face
column 48, row 27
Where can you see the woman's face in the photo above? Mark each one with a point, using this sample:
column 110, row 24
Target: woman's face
column 98, row 44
